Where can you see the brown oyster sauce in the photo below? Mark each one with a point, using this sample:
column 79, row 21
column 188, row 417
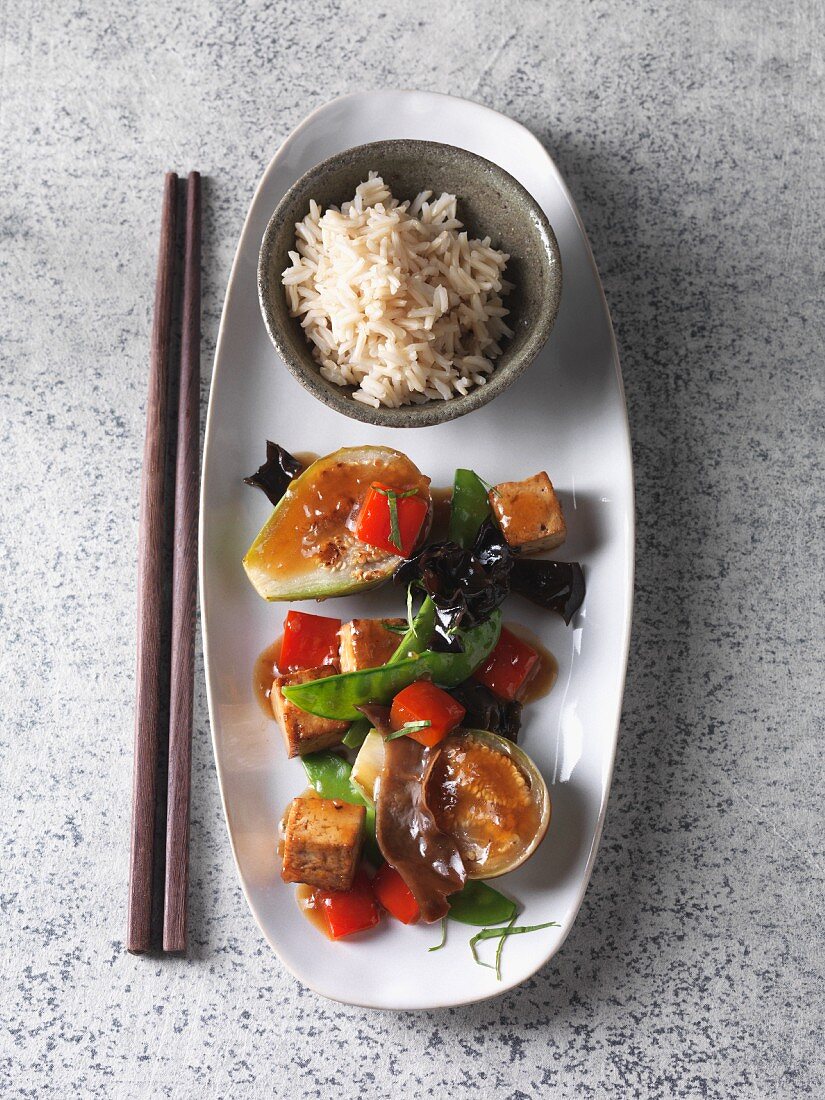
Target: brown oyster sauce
column 542, row 681
column 315, row 526
column 442, row 500
column 484, row 799
column 265, row 671
column 305, row 897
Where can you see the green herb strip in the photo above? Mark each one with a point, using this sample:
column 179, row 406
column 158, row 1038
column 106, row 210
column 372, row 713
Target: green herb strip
column 500, row 934
column 411, row 727
column 393, row 497
column 500, row 948
column 417, row 636
column 410, row 613
column 490, row 488
column 395, row 628
column 438, row 946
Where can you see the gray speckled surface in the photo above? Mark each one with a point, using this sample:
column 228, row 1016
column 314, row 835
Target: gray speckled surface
column 692, row 137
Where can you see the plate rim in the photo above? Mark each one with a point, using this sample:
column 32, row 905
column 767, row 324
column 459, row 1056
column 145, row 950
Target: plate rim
column 629, row 546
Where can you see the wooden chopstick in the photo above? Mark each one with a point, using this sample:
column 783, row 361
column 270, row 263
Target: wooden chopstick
column 150, row 590
column 184, row 585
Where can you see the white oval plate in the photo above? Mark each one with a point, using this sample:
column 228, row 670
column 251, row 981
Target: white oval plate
column 566, row 415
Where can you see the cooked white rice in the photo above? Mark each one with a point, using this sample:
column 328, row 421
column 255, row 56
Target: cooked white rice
column 394, row 297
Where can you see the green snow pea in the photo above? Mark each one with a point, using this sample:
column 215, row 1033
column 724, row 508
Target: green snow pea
column 338, row 696
column 356, row 735
column 418, row 636
column 415, row 640
column 479, row 904
column 329, row 774
column 469, row 509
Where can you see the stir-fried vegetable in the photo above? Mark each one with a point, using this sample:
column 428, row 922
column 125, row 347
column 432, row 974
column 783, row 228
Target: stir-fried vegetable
column 428, row 709
column 340, row 696
column 479, row 904
column 486, row 711
column 466, row 585
column 309, row 641
column 408, row 835
column 469, row 508
column 488, row 795
column 509, row 667
column 307, row 548
column 429, row 771
column 391, row 520
column 419, row 635
column 276, row 473
column 349, row 911
column 394, row 894
column 554, row 585
column 355, row 735
column 368, row 765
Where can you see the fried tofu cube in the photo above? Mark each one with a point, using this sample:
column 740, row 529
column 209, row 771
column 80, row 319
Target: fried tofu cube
column 322, row 842
column 368, row 643
column 304, row 732
column 529, row 513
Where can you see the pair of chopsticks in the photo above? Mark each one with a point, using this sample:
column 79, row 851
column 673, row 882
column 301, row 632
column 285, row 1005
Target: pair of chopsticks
column 150, row 625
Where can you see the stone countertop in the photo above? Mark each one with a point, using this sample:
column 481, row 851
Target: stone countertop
column 691, row 136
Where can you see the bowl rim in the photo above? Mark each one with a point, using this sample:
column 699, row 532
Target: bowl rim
column 432, row 411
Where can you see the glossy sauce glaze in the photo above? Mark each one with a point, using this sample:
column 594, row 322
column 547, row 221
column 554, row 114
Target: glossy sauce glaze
column 307, row 899
column 315, row 524
column 408, row 835
column 485, row 801
column 306, row 458
column 265, row 671
column 542, row 681
column 442, row 500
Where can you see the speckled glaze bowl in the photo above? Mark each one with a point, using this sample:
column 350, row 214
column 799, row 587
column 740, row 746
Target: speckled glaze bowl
column 490, row 203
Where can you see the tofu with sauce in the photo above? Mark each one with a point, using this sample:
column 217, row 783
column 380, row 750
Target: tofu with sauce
column 322, row 842
column 529, row 513
column 368, row 643
column 304, row 732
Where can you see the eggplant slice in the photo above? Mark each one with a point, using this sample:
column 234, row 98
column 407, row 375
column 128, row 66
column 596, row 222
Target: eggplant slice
column 307, row 549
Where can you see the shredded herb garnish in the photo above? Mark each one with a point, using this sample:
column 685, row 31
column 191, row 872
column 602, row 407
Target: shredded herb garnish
column 500, row 947
column 438, row 946
column 395, row 628
column 410, row 612
column 393, row 496
column 490, row 488
column 411, row 727
column 500, row 934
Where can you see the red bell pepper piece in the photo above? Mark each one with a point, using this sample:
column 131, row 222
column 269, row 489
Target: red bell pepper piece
column 349, row 911
column 375, row 520
column 424, row 702
column 395, row 895
column 309, row 641
column 509, row 667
